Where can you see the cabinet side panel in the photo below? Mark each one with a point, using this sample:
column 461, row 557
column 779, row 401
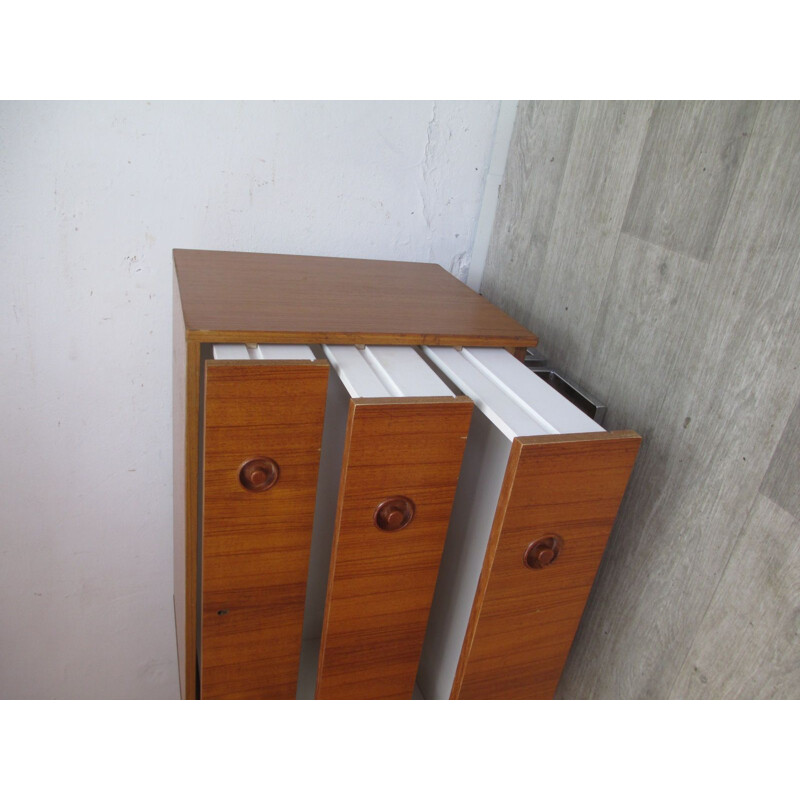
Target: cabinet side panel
column 381, row 582
column 523, row 620
column 185, row 385
column 256, row 544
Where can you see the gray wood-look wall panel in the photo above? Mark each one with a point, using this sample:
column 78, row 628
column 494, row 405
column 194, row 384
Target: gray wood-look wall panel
column 781, row 483
column 543, row 132
column 699, row 354
column 747, row 646
column 604, row 148
column 690, row 161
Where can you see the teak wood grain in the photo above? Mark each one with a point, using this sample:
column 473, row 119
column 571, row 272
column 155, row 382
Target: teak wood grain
column 523, row 620
column 255, row 545
column 381, row 584
column 241, row 297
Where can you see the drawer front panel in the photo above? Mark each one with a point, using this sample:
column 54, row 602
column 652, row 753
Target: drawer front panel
column 256, row 540
column 562, row 492
column 381, row 582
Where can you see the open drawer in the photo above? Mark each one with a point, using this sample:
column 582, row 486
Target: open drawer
column 262, row 428
column 392, row 448
column 539, row 491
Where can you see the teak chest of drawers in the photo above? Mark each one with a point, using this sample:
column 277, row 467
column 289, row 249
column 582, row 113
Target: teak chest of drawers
column 369, row 490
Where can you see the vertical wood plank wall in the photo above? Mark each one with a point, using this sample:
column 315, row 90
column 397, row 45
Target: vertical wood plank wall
column 654, row 248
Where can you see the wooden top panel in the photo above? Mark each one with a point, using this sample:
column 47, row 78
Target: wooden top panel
column 229, row 296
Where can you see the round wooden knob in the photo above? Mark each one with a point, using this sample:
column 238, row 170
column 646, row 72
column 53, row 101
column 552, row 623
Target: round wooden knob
column 394, row 513
column 258, row 474
column 542, row 552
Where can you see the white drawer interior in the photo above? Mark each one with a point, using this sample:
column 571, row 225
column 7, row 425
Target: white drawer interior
column 385, row 372
column 514, row 398
column 263, row 352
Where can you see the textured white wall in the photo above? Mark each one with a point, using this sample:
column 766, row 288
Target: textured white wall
column 93, row 197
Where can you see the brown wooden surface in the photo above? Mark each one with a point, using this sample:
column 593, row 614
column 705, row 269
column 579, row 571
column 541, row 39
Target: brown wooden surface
column 238, row 297
column 255, row 545
column 523, row 620
column 381, row 584
column 179, row 481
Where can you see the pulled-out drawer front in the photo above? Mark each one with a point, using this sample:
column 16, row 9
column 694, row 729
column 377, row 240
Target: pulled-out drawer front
column 256, row 541
column 381, row 581
column 402, row 439
column 525, row 615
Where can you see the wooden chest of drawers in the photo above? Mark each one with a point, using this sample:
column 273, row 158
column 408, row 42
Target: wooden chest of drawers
column 343, row 483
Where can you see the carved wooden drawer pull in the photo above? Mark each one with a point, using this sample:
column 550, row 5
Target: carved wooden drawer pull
column 259, row 474
column 394, row 514
column 543, row 552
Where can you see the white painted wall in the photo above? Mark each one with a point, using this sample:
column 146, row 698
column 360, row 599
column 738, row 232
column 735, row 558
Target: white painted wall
column 93, row 197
